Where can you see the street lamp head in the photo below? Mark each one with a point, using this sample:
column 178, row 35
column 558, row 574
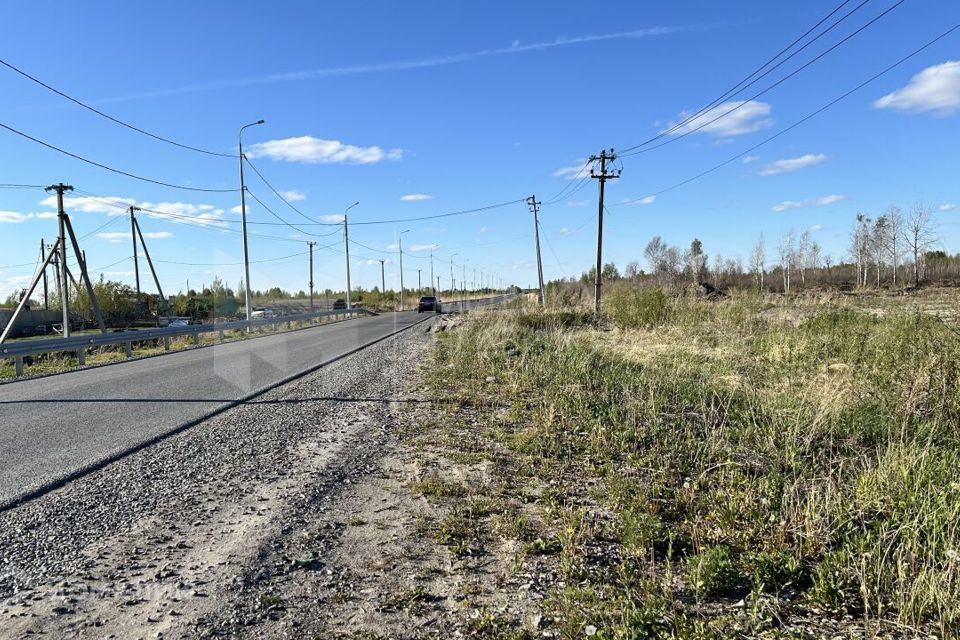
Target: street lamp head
column 260, row 121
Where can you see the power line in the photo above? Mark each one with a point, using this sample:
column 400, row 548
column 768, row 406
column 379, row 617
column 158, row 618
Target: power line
column 741, row 86
column 22, row 186
column 101, row 227
column 233, row 264
column 280, row 218
column 285, row 201
column 109, row 168
column 109, row 117
column 772, row 86
column 813, row 114
column 212, row 225
column 439, row 215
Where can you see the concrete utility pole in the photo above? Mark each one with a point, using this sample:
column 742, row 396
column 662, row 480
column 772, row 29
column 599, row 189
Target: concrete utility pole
column 62, row 256
column 438, row 286
column 383, row 279
column 311, row 244
column 243, row 214
column 146, row 254
column 400, row 248
column 43, row 254
column 346, row 248
column 463, row 284
column 603, row 176
column 136, row 265
column 431, row 273
column 419, row 287
column 451, row 276
column 534, row 208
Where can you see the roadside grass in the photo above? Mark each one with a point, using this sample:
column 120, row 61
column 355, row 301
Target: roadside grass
column 714, row 469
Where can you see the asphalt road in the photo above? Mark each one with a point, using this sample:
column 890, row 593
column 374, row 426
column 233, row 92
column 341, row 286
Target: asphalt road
column 55, row 427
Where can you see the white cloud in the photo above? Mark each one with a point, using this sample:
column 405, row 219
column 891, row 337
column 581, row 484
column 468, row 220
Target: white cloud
column 237, row 210
column 935, row 89
column 573, row 171
column 815, row 227
column 310, row 150
column 333, row 217
column 792, row 164
column 577, row 203
column 949, row 207
column 371, row 262
column 728, row 119
column 567, row 232
column 13, row 216
column 115, row 237
column 416, row 197
column 294, row 195
column 176, row 212
column 645, row 200
column 45, row 215
column 811, row 202
column 749, row 159
column 423, row 247
column 484, row 229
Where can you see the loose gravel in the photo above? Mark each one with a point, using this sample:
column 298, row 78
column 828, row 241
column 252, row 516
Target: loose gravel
column 171, row 541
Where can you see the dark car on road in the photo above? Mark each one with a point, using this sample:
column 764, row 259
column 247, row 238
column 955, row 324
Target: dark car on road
column 340, row 304
column 428, row 303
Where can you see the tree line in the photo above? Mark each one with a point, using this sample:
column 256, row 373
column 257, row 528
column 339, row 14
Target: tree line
column 894, row 249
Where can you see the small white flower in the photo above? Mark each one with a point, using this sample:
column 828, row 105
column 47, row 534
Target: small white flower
column 590, row 630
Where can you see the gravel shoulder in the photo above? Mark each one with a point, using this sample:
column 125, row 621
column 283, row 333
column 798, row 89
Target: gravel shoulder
column 291, row 515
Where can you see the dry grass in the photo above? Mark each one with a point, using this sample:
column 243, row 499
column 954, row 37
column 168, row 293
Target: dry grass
column 795, row 456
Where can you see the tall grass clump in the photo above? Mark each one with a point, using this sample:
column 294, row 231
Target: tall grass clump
column 811, row 464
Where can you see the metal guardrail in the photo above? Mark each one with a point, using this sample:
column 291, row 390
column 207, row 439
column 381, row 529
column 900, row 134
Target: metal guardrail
column 80, row 344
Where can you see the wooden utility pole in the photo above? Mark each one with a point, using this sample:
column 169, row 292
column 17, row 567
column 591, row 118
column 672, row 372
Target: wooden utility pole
column 534, row 208
column 603, row 176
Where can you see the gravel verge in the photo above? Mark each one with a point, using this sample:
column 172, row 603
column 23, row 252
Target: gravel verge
column 168, row 541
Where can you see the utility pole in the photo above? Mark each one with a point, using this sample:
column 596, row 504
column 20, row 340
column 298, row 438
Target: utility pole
column 346, row 248
column 451, row 276
column 400, row 248
column 534, row 208
column 383, row 279
column 311, row 244
column 437, row 287
column 463, row 285
column 136, row 266
column 243, row 214
column 431, row 274
column 43, row 254
column 419, row 287
column 603, row 176
column 62, row 257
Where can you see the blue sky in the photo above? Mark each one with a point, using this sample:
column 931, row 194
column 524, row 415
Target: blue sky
column 425, row 108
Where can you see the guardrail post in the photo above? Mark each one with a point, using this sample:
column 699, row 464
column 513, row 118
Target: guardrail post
column 221, row 335
column 18, row 366
column 82, row 356
column 196, row 337
column 166, row 343
column 128, row 348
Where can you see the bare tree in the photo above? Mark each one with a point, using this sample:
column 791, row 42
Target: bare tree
column 696, row 261
column 919, row 236
column 859, row 247
column 893, row 237
column 802, row 254
column 878, row 244
column 758, row 258
column 786, row 252
column 632, row 270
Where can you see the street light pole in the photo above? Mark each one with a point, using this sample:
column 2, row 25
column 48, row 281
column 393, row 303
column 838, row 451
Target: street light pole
column 243, row 214
column 451, row 276
column 346, row 249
